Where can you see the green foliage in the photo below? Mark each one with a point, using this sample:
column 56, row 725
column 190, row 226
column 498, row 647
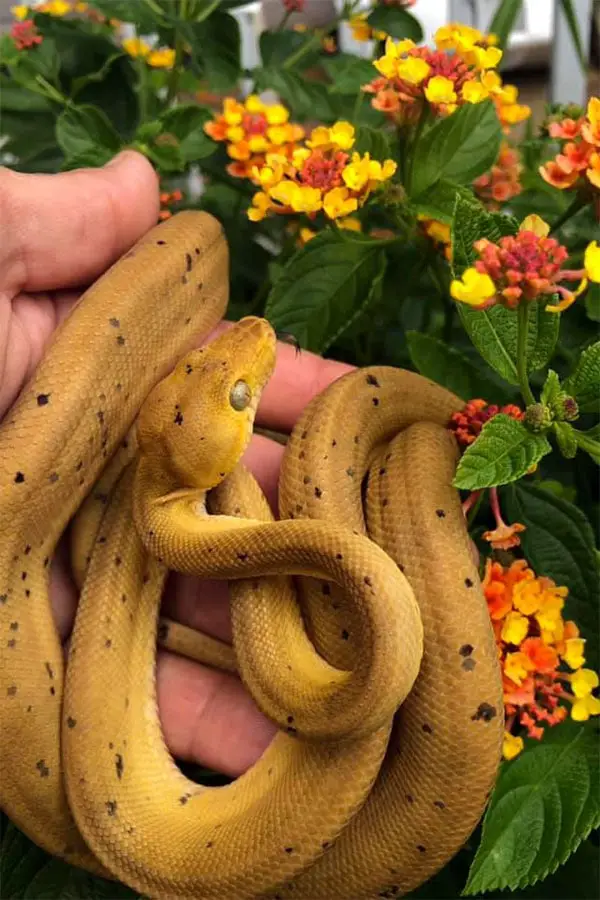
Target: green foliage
column 504, row 19
column 436, row 360
column 396, row 22
column 545, row 803
column 504, row 451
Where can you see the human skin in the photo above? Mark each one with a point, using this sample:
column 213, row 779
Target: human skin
column 60, row 232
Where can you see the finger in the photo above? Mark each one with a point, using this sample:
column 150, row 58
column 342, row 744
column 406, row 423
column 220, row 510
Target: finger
column 64, row 230
column 298, row 377
column 207, row 716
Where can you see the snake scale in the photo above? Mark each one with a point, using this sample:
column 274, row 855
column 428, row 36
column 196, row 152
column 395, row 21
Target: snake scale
column 359, row 623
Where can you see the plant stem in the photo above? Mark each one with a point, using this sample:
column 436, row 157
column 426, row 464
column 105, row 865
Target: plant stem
column 577, row 203
column 523, row 322
column 142, row 89
column 49, row 91
column 179, row 44
column 357, row 105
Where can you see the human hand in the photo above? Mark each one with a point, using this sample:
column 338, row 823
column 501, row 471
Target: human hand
column 60, row 233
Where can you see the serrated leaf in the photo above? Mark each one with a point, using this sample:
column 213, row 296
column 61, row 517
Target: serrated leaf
column 458, row 148
column 471, row 222
column 396, row 22
column 544, row 804
column 559, row 542
column 376, row 143
column 506, row 224
column 566, row 439
column 504, row 20
column 551, row 388
column 504, row 451
column 443, row 364
column 494, row 333
column 324, row 288
column 348, row 73
column 86, row 130
column 590, row 442
column 584, row 382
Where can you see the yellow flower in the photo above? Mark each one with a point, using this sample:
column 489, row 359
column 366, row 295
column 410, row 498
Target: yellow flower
column 361, row 30
column 56, row 8
column 487, row 58
column 536, row 224
column 20, row 12
column 511, row 746
column 517, row 667
column 414, row 70
column 573, row 654
column 350, row 224
column 162, row 59
column 549, row 617
column 337, row 203
column 474, row 92
column 356, row 175
column 275, row 114
column 232, row 111
column 584, row 708
column 591, row 261
column 300, row 199
column 515, row 628
column 583, row 682
column 437, row 231
column 475, row 288
column 440, row 90
column 342, row 135
column 258, row 143
column 136, row 47
column 527, row 596
column 381, row 171
column 260, row 207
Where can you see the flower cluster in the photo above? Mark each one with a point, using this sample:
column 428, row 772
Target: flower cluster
column 57, row 8
column 460, row 70
column 536, row 647
column 167, row 199
column 25, row 35
column 578, row 162
column 322, row 175
column 251, row 130
column 362, row 31
column 157, row 57
column 468, row 422
column 503, row 181
column 523, row 268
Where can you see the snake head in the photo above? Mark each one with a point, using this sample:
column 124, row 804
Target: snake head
column 197, row 422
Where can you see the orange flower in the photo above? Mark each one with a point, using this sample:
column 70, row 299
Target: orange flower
column 502, row 182
column 467, row 423
column 578, row 161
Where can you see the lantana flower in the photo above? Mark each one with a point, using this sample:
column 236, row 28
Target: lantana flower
column 157, row 57
column 523, row 268
column 252, row 129
column 503, row 181
column 25, row 35
column 321, row 175
column 578, row 163
column 541, row 654
column 460, row 70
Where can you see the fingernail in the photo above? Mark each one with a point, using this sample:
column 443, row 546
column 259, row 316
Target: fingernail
column 119, row 158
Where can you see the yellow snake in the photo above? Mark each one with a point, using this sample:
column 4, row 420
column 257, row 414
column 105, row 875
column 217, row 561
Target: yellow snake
column 352, row 799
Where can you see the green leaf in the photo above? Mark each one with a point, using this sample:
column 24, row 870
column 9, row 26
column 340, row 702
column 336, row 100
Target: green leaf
column 79, row 84
column 458, row 148
column 18, row 99
column 559, row 543
column 438, row 201
column 565, row 438
column 471, row 222
column 370, row 140
column 86, row 130
column 186, row 124
column 216, row 46
column 325, row 287
column 544, row 804
column 504, row 20
column 494, row 334
column 166, row 156
column 551, row 388
column 592, row 301
column 348, row 73
column 277, row 46
column 306, row 99
column 144, row 15
column 442, row 363
column 590, row 442
column 570, row 15
column 396, row 22
column 503, row 452
column 584, row 382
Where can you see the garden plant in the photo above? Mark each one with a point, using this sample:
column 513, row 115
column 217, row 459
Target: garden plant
column 403, row 210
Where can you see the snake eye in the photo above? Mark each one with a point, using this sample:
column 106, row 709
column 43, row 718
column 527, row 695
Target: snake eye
column 240, row 395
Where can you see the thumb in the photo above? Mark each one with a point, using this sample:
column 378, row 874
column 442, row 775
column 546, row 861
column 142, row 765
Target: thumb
column 64, row 230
